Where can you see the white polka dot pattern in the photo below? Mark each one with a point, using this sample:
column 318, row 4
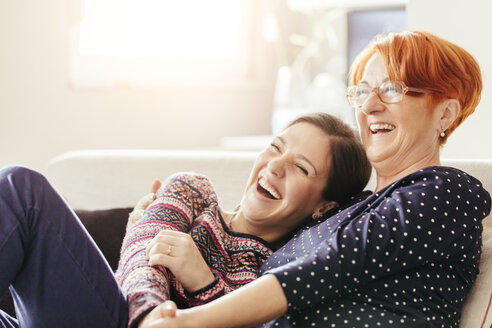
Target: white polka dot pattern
column 404, row 257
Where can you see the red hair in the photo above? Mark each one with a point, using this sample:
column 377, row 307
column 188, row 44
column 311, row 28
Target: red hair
column 423, row 60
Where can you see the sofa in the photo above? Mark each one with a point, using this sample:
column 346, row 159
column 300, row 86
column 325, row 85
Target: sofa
column 103, row 186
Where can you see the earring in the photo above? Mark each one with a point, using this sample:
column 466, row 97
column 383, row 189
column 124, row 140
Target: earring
column 315, row 216
column 443, row 134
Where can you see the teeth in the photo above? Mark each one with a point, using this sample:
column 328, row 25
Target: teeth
column 268, row 188
column 377, row 127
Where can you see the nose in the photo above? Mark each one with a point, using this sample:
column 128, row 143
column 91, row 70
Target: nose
column 372, row 105
column 276, row 166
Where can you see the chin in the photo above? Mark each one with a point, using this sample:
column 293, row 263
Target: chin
column 376, row 157
column 373, row 154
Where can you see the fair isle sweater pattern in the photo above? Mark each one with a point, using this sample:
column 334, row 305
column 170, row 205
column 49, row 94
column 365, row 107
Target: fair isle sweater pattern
column 186, row 202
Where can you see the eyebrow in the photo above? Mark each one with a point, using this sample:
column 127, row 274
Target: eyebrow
column 365, row 82
column 301, row 156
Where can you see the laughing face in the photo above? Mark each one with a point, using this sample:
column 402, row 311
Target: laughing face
column 396, row 136
column 286, row 183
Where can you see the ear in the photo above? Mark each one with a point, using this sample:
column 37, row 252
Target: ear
column 324, row 207
column 449, row 111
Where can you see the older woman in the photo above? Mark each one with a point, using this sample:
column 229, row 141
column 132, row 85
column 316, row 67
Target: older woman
column 405, row 255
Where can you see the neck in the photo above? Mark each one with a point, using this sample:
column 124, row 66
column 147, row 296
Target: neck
column 387, row 173
column 229, row 217
column 237, row 222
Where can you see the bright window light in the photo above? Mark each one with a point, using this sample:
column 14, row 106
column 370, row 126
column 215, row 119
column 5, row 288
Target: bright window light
column 184, row 29
column 162, row 42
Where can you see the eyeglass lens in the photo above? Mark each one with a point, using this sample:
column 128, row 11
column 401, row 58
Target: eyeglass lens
column 388, row 92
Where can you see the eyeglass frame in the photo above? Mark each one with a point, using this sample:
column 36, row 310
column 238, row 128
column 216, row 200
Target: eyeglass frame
column 376, row 90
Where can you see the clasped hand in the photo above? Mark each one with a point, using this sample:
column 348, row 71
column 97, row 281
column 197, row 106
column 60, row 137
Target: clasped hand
column 163, row 316
column 177, row 251
column 142, row 204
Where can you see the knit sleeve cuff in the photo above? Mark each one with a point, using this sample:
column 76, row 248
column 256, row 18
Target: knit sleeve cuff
column 208, row 293
column 135, row 322
column 140, row 305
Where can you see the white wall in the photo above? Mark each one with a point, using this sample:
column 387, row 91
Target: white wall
column 41, row 115
column 468, row 24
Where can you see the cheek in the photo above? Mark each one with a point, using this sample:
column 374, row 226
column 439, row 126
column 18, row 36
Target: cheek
column 262, row 160
column 414, row 129
column 306, row 192
column 360, row 117
column 259, row 163
column 362, row 125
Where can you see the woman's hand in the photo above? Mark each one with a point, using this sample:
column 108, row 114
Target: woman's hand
column 177, row 252
column 142, row 204
column 249, row 306
column 160, row 316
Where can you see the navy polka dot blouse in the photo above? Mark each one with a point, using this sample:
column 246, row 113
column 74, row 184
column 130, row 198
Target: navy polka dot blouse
column 403, row 257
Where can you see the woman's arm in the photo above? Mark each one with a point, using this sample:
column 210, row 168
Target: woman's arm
column 179, row 200
column 258, row 302
column 431, row 217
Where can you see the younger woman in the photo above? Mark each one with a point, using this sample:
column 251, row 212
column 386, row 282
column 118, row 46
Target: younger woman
column 188, row 249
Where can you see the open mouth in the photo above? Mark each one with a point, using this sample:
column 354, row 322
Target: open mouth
column 381, row 128
column 265, row 189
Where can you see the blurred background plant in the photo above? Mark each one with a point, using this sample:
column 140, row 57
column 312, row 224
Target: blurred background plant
column 312, row 62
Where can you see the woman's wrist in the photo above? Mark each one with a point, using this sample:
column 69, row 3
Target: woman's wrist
column 255, row 303
column 192, row 317
column 204, row 283
column 204, row 288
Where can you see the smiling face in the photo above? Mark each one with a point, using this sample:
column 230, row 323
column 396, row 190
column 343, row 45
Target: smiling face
column 286, row 183
column 398, row 137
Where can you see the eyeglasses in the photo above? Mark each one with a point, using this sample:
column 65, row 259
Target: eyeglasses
column 390, row 92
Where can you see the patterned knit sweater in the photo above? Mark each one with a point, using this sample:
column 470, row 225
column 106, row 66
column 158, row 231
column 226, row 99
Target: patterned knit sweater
column 186, row 202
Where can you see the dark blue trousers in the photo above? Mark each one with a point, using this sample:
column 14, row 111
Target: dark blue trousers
column 56, row 274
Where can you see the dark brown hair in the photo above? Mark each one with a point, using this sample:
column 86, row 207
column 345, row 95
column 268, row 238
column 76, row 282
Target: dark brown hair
column 350, row 169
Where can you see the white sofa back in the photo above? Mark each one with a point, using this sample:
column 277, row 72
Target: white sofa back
column 103, row 179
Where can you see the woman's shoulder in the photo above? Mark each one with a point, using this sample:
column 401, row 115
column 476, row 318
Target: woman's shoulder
column 440, row 183
column 438, row 175
column 443, row 175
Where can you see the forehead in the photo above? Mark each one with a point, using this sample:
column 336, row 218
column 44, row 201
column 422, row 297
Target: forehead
column 310, row 141
column 305, row 131
column 375, row 71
